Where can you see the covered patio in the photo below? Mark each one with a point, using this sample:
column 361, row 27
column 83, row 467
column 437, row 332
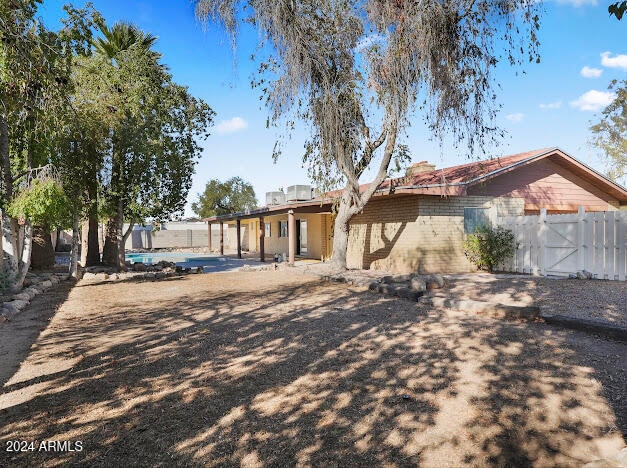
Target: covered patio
column 302, row 229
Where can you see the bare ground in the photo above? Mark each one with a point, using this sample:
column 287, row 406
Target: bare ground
column 278, row 368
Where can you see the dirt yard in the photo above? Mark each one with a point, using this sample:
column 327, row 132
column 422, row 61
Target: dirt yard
column 280, row 369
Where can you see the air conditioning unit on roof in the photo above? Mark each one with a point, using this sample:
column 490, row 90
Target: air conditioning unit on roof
column 275, row 198
column 298, row 192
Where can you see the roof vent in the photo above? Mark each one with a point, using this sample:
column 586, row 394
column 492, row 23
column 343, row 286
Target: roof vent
column 419, row 167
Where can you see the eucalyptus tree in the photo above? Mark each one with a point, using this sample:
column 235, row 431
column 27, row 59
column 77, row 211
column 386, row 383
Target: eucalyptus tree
column 35, row 64
column 610, row 133
column 355, row 71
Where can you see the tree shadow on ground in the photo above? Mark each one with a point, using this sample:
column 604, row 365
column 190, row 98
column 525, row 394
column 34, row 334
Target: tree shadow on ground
column 206, row 371
column 17, row 336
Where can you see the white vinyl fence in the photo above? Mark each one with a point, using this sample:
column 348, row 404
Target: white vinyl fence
column 566, row 244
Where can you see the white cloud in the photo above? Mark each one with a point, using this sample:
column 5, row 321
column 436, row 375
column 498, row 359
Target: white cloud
column 588, row 72
column 551, row 105
column 231, row 126
column 593, row 100
column 578, row 3
column 618, row 61
column 517, row 117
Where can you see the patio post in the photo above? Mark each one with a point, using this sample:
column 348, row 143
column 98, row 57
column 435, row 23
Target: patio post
column 209, row 235
column 262, row 234
column 291, row 235
column 239, row 239
column 221, row 238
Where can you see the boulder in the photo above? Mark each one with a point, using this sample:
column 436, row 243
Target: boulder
column 435, row 282
column 24, row 295
column 150, row 275
column 159, row 275
column 46, row 284
column 32, row 291
column 13, row 307
column 139, row 266
column 418, row 284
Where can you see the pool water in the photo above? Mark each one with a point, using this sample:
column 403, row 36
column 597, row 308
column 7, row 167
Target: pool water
column 179, row 258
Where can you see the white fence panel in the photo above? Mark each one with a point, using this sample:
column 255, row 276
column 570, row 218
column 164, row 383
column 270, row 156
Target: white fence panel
column 567, row 244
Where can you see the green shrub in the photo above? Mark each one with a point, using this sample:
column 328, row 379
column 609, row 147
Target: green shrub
column 488, row 247
column 43, row 203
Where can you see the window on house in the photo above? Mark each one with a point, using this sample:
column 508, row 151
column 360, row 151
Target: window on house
column 268, row 229
column 475, row 217
column 282, row 228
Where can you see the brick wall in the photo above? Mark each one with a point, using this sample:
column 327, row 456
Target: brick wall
column 422, row 234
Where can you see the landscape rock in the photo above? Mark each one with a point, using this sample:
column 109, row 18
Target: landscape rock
column 32, row 291
column 583, row 274
column 159, row 275
column 31, row 281
column 418, row 284
column 150, row 275
column 14, row 307
column 24, row 295
column 46, row 284
column 435, row 281
column 139, row 267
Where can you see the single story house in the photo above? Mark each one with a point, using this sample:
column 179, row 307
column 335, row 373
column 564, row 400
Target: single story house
column 417, row 223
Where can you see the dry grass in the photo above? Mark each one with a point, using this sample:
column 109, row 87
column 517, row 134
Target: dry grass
column 275, row 368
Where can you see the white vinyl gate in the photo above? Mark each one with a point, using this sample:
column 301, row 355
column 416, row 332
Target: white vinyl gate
column 566, row 244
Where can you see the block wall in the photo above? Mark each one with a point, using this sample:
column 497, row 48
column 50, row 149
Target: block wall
column 421, row 234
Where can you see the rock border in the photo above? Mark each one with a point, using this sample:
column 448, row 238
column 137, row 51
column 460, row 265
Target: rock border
column 34, row 284
column 100, row 274
column 588, row 326
column 484, row 308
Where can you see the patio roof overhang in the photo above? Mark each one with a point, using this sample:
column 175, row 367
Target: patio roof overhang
column 316, row 206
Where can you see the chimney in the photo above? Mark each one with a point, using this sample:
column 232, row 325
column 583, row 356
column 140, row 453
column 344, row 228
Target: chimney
column 417, row 168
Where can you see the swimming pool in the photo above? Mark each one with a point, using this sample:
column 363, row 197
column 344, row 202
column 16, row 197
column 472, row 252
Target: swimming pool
column 180, row 258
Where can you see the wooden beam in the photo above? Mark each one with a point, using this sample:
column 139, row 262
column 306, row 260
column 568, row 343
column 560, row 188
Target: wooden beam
column 239, row 238
column 221, row 238
column 291, row 235
column 209, row 236
column 262, row 235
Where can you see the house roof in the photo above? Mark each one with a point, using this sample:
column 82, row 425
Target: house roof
column 455, row 180
column 466, row 173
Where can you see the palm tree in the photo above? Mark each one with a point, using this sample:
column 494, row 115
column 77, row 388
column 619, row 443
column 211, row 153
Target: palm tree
column 123, row 36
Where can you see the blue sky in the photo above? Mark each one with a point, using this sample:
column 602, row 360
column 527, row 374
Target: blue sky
column 552, row 104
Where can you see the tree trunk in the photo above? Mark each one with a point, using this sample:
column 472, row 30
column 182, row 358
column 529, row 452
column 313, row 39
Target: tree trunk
column 84, row 247
column 42, row 257
column 90, row 246
column 340, row 237
column 74, row 252
column 25, row 256
column 57, row 241
column 9, row 249
column 121, row 237
column 110, row 249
